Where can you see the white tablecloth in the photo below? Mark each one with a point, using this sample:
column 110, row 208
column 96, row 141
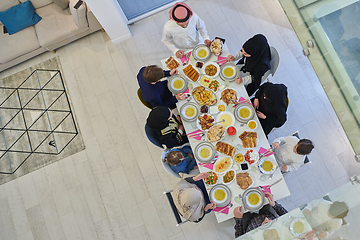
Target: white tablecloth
column 280, row 190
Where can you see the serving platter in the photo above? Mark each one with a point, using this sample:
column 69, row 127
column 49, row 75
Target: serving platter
column 244, row 107
column 228, row 195
column 177, row 84
column 226, row 67
column 205, row 152
column 187, row 109
column 220, row 161
column 199, row 50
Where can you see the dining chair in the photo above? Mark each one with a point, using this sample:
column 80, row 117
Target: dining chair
column 274, row 63
column 153, row 137
column 174, row 209
column 146, row 104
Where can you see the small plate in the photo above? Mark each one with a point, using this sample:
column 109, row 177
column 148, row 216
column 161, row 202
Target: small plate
column 211, row 63
column 253, row 206
column 266, row 160
column 244, row 107
column 222, row 177
column 197, row 50
column 237, row 95
column 177, row 84
column 220, row 161
column 232, row 66
column 296, row 225
column 228, row 196
column 229, row 118
column 254, row 154
column 252, row 178
column 198, row 121
column 205, row 147
column 186, row 108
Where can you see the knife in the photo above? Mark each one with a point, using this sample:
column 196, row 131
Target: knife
column 275, row 182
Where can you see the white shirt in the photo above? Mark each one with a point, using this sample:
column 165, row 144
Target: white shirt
column 177, row 38
column 319, row 218
column 285, row 155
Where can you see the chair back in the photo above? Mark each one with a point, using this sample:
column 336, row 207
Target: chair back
column 166, row 165
column 153, row 136
column 275, row 59
column 146, row 104
column 174, row 209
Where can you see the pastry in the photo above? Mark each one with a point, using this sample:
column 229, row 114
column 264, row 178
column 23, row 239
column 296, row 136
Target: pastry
column 216, row 132
column 229, row 96
column 225, row 148
column 171, row 63
column 248, row 139
column 243, row 180
column 191, row 73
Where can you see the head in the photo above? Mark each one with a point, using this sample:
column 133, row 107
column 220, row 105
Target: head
column 159, row 117
column 304, row 147
column 181, row 14
column 338, row 210
column 174, row 157
column 152, row 74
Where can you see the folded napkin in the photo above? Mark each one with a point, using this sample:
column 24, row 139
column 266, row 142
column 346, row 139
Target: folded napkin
column 265, row 189
column 184, row 58
column 186, row 91
column 310, row 235
column 224, row 210
column 265, row 152
column 207, row 165
column 195, row 134
column 243, row 100
column 221, row 60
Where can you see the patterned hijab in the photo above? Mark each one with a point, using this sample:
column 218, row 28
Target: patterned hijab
column 189, row 200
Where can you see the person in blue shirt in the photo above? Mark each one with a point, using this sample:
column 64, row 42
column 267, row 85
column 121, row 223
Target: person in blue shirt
column 155, row 91
column 181, row 160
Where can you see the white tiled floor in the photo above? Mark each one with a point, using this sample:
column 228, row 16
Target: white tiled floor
column 113, row 189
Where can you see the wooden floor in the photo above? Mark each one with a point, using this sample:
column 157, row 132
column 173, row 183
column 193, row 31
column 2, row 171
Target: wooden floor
column 113, row 189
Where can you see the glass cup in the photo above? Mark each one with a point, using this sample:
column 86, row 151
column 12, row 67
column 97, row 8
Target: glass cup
column 263, row 177
column 237, row 199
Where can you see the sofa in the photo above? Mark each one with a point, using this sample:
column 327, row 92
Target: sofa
column 62, row 21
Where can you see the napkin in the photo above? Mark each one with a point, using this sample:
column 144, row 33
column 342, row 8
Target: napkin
column 224, row 210
column 243, row 100
column 266, row 152
column 186, row 91
column 207, row 165
column 195, row 134
column 265, row 189
column 310, row 235
column 184, row 59
column 221, row 60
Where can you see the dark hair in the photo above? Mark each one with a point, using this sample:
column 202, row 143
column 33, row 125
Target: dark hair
column 304, row 146
column 338, row 210
column 153, row 73
column 174, row 157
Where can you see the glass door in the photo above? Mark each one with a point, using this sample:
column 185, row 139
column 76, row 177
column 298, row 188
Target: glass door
column 329, row 32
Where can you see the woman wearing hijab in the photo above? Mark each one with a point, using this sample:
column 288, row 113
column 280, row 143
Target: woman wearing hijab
column 181, row 32
column 169, row 128
column 270, row 105
column 255, row 56
column 191, row 199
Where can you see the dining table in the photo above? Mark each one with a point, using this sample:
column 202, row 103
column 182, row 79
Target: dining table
column 280, row 189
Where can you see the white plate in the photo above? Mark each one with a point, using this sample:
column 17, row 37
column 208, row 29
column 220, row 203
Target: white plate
column 198, row 48
column 259, row 203
column 257, row 141
column 209, row 147
column 298, row 221
column 227, row 198
column 198, row 121
column 174, row 89
column 221, row 138
column 189, row 79
column 229, row 68
column 252, row 129
column 211, row 63
column 231, row 65
column 226, row 124
column 186, row 106
column 237, row 95
column 218, row 163
column 244, row 106
column 222, row 177
column 262, row 170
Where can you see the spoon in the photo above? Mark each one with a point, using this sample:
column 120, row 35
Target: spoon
column 223, row 120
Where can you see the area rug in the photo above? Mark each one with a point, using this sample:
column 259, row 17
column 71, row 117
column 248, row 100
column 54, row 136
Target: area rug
column 37, row 124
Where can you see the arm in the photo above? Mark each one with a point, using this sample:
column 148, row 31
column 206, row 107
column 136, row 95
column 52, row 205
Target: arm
column 188, row 165
column 238, row 55
column 200, row 25
column 280, row 209
column 276, row 143
column 167, row 39
column 166, row 73
column 238, row 214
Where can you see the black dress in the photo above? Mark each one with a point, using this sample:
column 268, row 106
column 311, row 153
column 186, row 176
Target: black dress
column 274, row 106
column 258, row 63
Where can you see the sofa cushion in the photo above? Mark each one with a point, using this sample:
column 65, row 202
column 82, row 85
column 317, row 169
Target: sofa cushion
column 79, row 14
column 38, row 3
column 19, row 17
column 63, row 4
column 55, row 18
column 13, row 46
column 6, row 4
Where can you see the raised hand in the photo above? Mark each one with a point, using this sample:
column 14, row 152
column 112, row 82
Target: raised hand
column 179, row 54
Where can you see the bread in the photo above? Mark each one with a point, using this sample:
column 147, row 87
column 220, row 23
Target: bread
column 248, row 139
column 191, row 73
column 216, row 132
column 225, row 148
column 171, row 63
column 243, row 180
column 271, row 234
column 229, row 96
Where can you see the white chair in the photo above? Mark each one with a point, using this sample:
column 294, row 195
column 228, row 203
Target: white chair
column 274, row 63
column 167, row 166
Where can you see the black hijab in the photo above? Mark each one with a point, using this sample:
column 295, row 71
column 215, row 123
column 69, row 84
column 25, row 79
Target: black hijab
column 158, row 117
column 259, row 49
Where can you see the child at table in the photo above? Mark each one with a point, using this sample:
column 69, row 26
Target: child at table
column 181, row 160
